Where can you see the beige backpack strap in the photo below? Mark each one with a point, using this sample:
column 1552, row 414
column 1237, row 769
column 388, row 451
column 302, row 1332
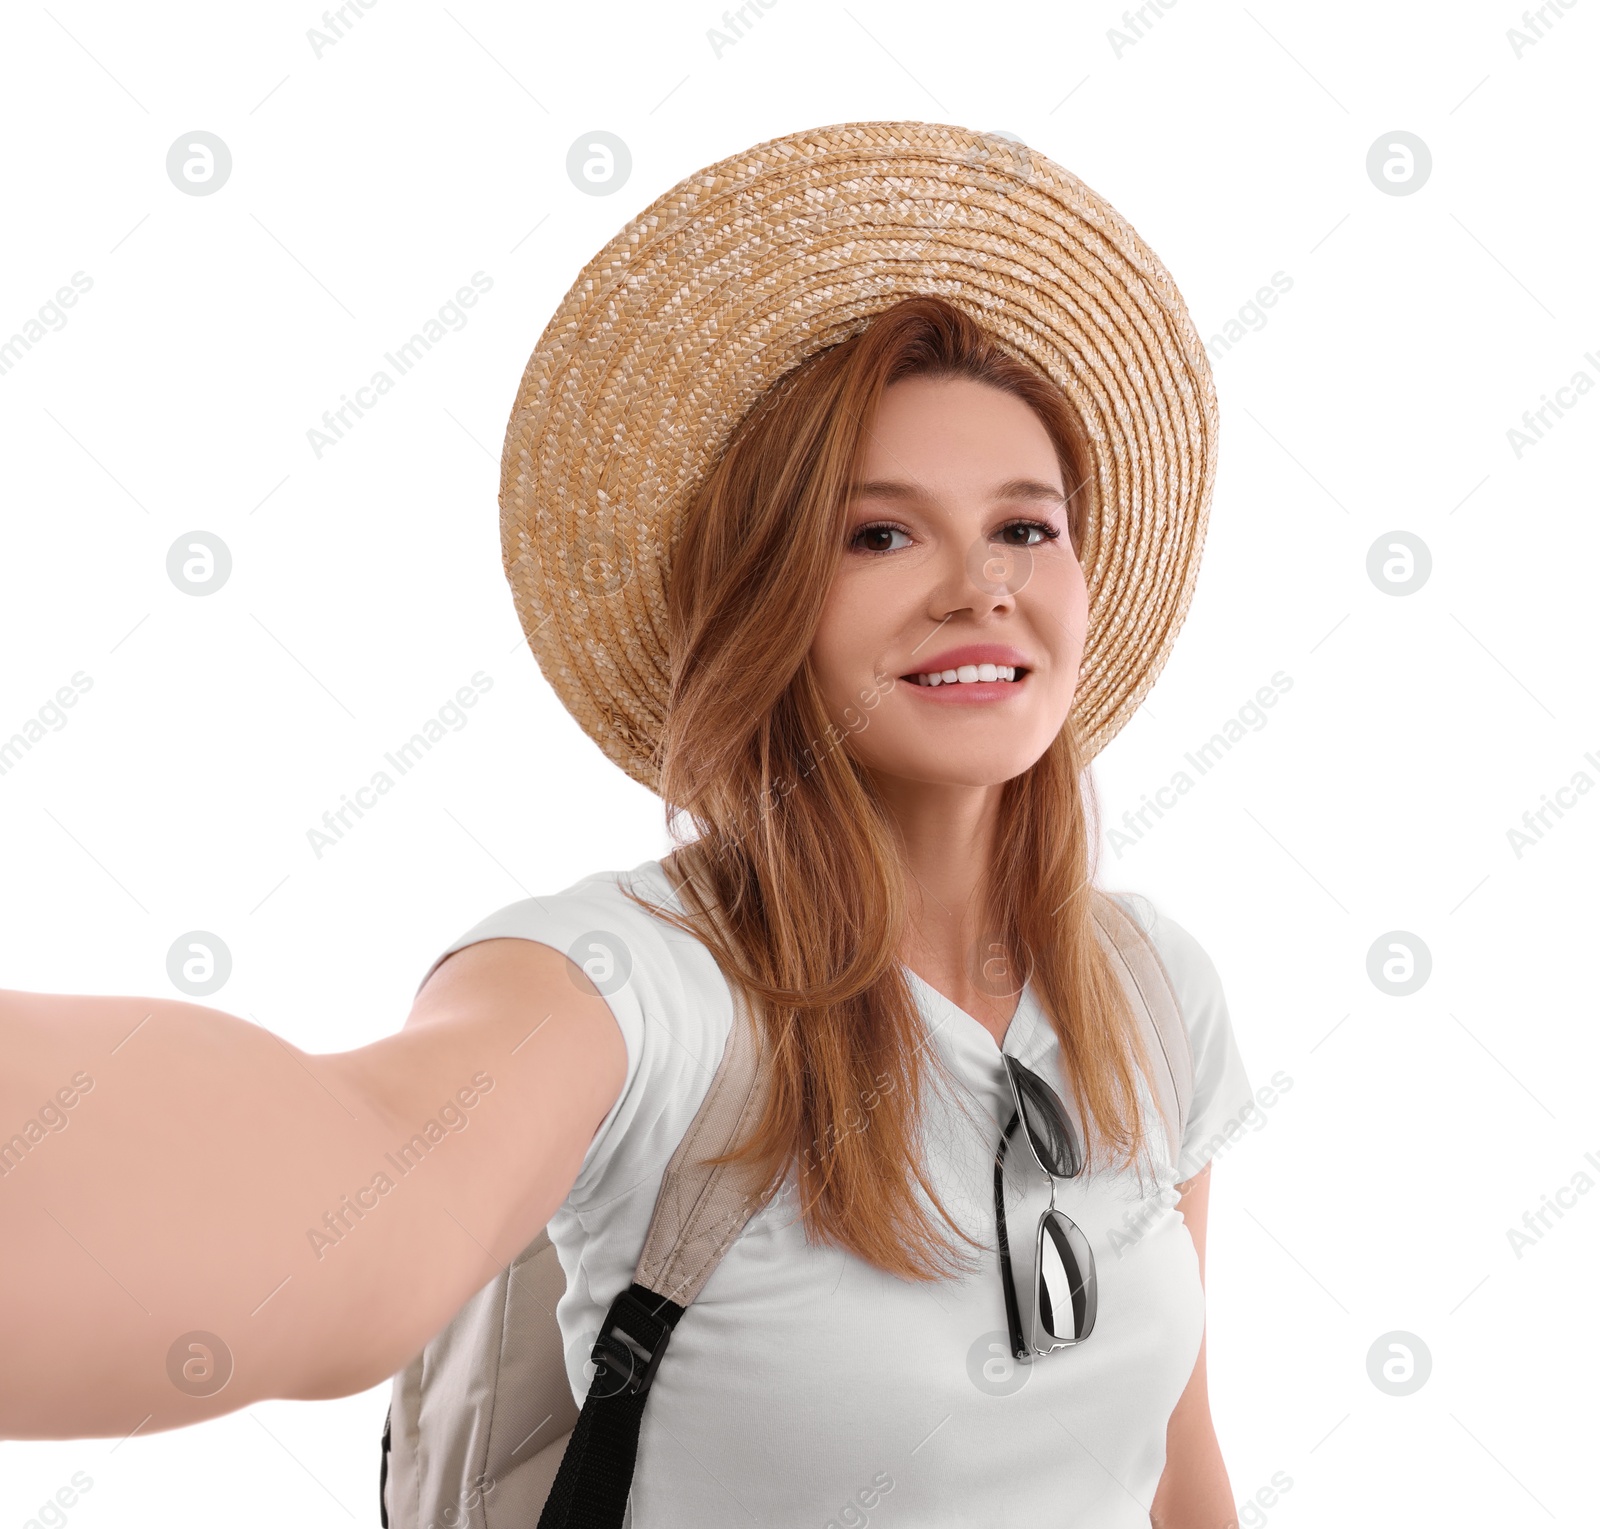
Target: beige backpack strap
column 700, row 1209
column 1149, row 990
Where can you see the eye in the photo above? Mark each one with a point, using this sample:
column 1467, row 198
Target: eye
column 1046, row 533
column 865, row 536
column 875, row 531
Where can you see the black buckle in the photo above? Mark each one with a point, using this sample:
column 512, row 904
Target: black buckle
column 632, row 1340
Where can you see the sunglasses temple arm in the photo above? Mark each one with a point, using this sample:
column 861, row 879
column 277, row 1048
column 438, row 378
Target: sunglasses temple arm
column 1013, row 1315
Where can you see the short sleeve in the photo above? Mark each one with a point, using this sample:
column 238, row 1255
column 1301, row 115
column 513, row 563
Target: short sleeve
column 618, row 945
column 1223, row 1109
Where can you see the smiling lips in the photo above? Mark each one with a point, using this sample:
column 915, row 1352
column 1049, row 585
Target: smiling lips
column 977, row 672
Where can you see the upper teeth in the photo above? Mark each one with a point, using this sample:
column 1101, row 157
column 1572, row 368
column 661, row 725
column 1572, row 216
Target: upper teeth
column 968, row 674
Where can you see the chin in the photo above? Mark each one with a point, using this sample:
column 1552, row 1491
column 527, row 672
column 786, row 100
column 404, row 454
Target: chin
column 994, row 768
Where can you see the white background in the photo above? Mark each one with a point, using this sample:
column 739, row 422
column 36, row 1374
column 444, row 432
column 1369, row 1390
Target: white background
column 369, row 183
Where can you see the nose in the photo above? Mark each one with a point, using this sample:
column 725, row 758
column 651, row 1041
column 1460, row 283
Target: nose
column 982, row 577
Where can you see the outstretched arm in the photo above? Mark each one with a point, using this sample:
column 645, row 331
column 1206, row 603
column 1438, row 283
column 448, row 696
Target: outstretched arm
column 218, row 1217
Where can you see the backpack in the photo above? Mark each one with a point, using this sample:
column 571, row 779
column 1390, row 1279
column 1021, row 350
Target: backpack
column 483, row 1430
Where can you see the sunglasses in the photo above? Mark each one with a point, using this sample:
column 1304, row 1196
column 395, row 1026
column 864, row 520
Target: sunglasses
column 1061, row 1310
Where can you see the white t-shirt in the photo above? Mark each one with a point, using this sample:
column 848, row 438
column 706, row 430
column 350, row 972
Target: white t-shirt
column 806, row 1387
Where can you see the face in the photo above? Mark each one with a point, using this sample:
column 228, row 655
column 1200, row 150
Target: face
column 957, row 556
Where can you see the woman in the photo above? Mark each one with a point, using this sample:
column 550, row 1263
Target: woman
column 881, row 497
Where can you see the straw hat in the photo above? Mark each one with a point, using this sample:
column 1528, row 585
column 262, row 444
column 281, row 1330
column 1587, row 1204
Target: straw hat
column 744, row 269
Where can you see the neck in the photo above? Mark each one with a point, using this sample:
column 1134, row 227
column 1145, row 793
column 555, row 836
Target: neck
column 947, row 835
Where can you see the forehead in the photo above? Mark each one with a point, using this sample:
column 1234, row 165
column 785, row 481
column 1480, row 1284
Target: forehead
column 956, row 433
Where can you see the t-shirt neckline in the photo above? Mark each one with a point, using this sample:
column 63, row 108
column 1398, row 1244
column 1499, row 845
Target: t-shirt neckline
column 1018, row 1030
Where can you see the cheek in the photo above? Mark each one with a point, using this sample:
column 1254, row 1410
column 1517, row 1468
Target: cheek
column 848, row 636
column 1058, row 601
column 1075, row 614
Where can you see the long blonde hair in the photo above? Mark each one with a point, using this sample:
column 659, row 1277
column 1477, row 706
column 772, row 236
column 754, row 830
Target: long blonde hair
column 798, row 849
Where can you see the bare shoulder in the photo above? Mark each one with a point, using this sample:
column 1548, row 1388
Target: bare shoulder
column 549, row 993
column 527, row 1001
column 504, row 972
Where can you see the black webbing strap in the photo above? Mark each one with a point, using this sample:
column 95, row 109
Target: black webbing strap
column 591, row 1488
column 383, row 1473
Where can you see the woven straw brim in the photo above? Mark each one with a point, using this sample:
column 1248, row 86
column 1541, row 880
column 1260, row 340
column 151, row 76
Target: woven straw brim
column 744, row 269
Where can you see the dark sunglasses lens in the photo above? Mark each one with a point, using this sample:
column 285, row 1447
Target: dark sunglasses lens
column 1051, row 1133
column 1066, row 1280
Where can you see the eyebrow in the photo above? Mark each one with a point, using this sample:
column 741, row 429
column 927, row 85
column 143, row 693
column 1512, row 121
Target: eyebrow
column 1012, row 488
